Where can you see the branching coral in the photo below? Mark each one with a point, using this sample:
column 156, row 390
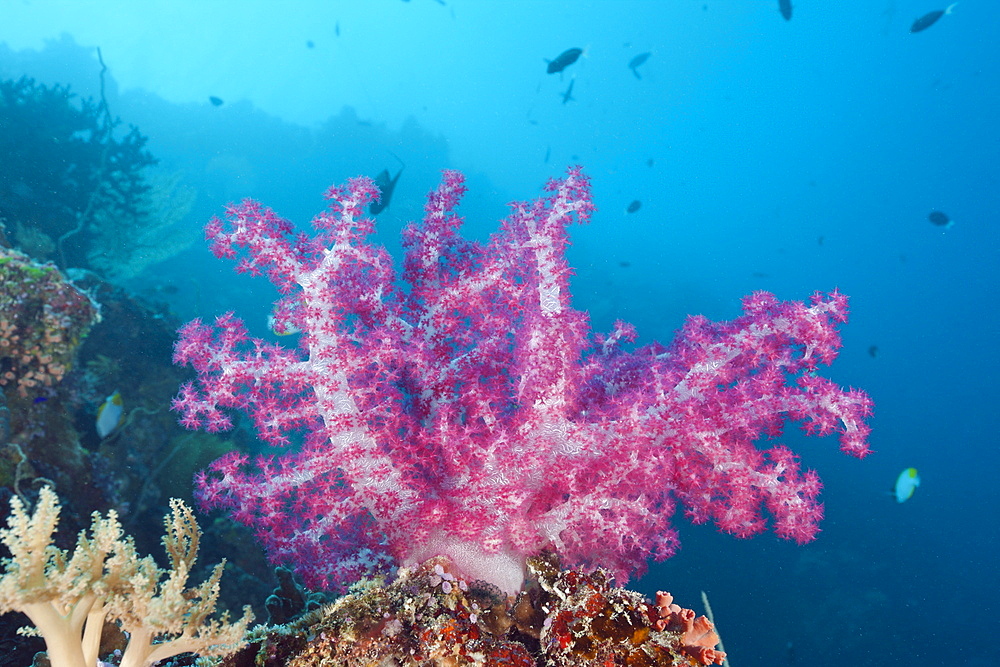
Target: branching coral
column 65, row 160
column 123, row 247
column 70, row 596
column 475, row 414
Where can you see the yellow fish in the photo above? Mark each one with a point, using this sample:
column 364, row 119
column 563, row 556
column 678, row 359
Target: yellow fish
column 110, row 415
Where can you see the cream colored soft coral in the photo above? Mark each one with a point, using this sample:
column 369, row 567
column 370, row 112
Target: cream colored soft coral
column 69, row 596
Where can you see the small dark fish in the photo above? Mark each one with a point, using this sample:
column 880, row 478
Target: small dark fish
column 216, row 101
column 650, row 162
column 568, row 95
column 624, row 264
column 820, row 240
column 634, row 206
column 638, row 60
column 785, row 7
column 930, row 18
column 564, row 60
column 940, row 219
column 873, row 351
column 40, row 399
column 548, row 154
column 386, row 187
column 310, row 44
column 336, row 28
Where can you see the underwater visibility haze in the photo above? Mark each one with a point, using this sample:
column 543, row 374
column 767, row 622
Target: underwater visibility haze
column 789, row 245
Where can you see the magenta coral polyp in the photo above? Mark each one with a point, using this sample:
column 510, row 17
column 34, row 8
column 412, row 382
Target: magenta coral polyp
column 474, row 413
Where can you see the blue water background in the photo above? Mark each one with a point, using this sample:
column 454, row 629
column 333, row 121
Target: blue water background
column 790, row 156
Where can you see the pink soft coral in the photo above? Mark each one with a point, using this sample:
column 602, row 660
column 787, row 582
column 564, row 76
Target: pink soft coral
column 475, row 415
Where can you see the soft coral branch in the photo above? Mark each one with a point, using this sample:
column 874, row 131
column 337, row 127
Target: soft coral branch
column 69, row 596
column 474, row 414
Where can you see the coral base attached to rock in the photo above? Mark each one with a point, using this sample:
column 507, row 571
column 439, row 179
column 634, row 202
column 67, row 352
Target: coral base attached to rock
column 430, row 616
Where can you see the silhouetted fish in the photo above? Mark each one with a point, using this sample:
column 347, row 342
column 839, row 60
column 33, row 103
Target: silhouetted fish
column 940, row 219
column 565, row 59
column 216, row 101
column 638, row 60
column 785, row 7
column 634, row 206
column 930, row 18
column 568, row 95
column 386, row 187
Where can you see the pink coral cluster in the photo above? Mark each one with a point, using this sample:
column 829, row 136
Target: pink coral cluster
column 473, row 414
